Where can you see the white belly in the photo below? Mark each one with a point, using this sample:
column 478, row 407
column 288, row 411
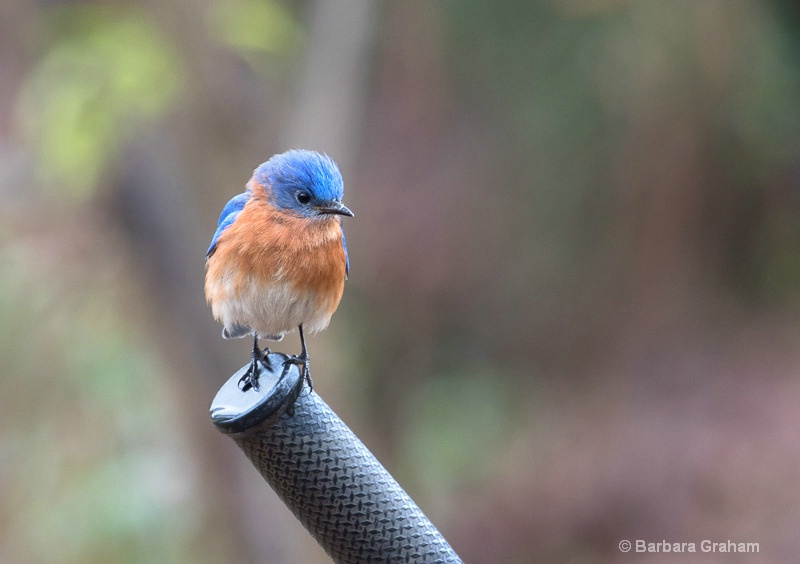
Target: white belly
column 270, row 310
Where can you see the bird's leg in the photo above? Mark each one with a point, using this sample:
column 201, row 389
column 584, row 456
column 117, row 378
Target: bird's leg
column 302, row 359
column 250, row 378
column 305, row 359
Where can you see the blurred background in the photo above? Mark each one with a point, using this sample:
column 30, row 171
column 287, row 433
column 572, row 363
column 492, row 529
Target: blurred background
column 573, row 314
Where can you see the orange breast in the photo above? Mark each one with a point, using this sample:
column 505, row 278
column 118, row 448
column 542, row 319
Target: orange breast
column 265, row 246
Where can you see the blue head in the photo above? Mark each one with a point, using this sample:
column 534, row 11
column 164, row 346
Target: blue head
column 303, row 182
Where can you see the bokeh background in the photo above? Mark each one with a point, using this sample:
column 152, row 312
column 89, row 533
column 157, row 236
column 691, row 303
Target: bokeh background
column 573, row 315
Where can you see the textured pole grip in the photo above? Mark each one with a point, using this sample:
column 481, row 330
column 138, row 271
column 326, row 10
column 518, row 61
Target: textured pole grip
column 323, row 473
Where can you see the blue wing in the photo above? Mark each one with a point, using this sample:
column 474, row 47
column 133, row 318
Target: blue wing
column 346, row 257
column 229, row 214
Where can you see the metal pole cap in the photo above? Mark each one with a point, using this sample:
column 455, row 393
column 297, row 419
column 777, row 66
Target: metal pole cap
column 279, row 383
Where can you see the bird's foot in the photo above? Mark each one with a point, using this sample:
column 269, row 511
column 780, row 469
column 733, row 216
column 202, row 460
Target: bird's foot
column 301, row 360
column 250, row 378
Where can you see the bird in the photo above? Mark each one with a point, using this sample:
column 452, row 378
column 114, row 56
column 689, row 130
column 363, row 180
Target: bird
column 278, row 259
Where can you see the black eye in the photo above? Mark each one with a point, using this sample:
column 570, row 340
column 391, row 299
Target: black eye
column 303, row 197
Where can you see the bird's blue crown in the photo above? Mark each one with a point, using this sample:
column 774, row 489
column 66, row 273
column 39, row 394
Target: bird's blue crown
column 287, row 174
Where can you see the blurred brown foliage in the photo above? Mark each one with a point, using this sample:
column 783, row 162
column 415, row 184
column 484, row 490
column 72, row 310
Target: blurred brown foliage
column 572, row 316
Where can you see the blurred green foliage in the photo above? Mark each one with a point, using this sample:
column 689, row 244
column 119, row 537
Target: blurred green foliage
column 255, row 26
column 574, row 81
column 82, row 441
column 457, row 424
column 105, row 71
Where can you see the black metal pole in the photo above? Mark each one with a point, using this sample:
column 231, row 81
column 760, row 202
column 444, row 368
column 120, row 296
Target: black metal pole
column 323, row 473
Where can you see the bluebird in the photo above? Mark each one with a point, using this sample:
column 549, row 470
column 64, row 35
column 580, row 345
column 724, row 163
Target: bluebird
column 278, row 259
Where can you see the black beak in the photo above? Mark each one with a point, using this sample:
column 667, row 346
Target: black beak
column 337, row 208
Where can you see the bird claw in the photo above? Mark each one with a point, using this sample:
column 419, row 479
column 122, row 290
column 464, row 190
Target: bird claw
column 250, row 378
column 301, row 360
